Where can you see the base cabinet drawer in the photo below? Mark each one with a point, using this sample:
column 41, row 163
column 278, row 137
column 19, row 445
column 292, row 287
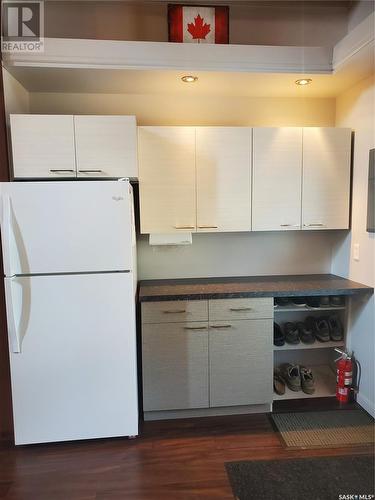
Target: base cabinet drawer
column 234, row 309
column 175, row 366
column 241, row 364
column 174, row 311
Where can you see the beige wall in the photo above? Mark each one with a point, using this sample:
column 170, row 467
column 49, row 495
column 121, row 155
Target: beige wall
column 184, row 110
column 311, row 23
column 356, row 109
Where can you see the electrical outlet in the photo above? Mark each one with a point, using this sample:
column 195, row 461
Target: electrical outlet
column 356, row 252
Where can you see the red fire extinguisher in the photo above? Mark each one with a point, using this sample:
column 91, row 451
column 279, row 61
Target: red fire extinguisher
column 344, row 376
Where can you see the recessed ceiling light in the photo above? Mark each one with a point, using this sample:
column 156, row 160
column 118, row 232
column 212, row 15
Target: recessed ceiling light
column 189, row 78
column 303, row 81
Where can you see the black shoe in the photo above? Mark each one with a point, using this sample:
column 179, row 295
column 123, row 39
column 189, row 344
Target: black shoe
column 313, row 302
column 299, row 301
column 291, row 333
column 282, row 301
column 320, row 328
column 336, row 331
column 337, row 301
column 324, row 302
column 278, row 336
column 305, row 333
column 278, row 383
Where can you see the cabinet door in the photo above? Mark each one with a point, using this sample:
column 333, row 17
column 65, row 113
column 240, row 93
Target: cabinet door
column 223, row 159
column 326, row 178
column 167, row 179
column 175, row 366
column 240, row 362
column 277, row 171
column 106, row 146
column 43, row 146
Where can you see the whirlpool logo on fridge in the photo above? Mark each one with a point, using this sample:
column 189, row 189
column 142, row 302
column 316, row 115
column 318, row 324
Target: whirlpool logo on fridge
column 22, row 27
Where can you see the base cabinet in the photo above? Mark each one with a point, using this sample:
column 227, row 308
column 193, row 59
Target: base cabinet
column 207, row 362
column 240, row 362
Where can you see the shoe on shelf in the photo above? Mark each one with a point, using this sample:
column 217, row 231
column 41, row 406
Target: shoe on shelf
column 278, row 383
column 299, row 301
column 306, row 335
column 337, row 301
column 320, row 328
column 336, row 331
column 313, row 302
column 291, row 333
column 278, row 336
column 307, row 380
column 324, row 302
column 291, row 376
column 282, row 301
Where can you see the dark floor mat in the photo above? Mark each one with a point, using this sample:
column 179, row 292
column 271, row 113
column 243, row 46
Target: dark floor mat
column 321, row 478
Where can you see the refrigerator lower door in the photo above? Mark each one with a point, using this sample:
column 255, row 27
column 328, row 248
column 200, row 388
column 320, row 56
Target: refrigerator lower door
column 64, row 227
column 73, row 356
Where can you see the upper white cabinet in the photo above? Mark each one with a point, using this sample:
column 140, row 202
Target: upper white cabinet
column 167, row 179
column 43, row 146
column 61, row 146
column 223, row 165
column 106, row 146
column 326, row 178
column 277, row 174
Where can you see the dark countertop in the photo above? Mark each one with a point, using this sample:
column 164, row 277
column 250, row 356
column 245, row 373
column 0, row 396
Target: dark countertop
column 248, row 286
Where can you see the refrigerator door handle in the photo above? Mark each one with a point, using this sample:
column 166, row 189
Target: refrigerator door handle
column 6, row 234
column 12, row 328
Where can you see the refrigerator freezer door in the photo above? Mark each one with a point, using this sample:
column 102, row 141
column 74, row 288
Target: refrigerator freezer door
column 65, row 226
column 75, row 376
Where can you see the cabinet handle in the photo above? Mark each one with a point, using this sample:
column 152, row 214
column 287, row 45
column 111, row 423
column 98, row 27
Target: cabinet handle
column 91, row 171
column 316, row 224
column 195, row 327
column 238, row 309
column 184, row 227
column 178, row 311
column 219, row 327
column 59, row 170
column 207, row 227
column 289, row 225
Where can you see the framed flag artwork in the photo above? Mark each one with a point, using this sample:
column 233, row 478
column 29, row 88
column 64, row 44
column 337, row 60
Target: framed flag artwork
column 198, row 24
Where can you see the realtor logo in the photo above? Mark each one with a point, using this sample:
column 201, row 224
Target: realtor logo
column 22, row 27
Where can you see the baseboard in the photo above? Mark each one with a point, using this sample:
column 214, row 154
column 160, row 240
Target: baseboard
column 366, row 404
column 206, row 412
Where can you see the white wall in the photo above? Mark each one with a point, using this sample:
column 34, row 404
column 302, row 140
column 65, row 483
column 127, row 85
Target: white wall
column 356, row 109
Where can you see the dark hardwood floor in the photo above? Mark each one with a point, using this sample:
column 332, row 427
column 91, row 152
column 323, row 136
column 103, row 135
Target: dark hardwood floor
column 181, row 459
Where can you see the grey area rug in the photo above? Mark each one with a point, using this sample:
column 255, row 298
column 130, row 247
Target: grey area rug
column 323, row 478
column 325, row 428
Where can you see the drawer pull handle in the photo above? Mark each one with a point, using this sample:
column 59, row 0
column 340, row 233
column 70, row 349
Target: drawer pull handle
column 60, row 170
column 219, row 327
column 207, row 227
column 239, row 309
column 195, row 327
column 91, row 171
column 289, row 225
column 178, row 311
column 184, row 227
column 317, row 224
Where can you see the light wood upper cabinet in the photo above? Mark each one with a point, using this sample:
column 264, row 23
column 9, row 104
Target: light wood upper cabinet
column 167, row 179
column 43, row 146
column 106, row 146
column 277, row 173
column 326, row 178
column 223, row 163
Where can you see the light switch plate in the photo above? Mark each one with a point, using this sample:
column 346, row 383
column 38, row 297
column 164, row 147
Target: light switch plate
column 356, row 251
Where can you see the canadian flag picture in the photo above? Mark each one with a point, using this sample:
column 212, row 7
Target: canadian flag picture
column 198, row 24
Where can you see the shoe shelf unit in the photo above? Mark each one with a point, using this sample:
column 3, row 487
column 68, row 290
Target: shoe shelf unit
column 325, row 385
column 318, row 356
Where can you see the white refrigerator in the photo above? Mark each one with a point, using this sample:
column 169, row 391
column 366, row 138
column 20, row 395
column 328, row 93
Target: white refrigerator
column 70, row 283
